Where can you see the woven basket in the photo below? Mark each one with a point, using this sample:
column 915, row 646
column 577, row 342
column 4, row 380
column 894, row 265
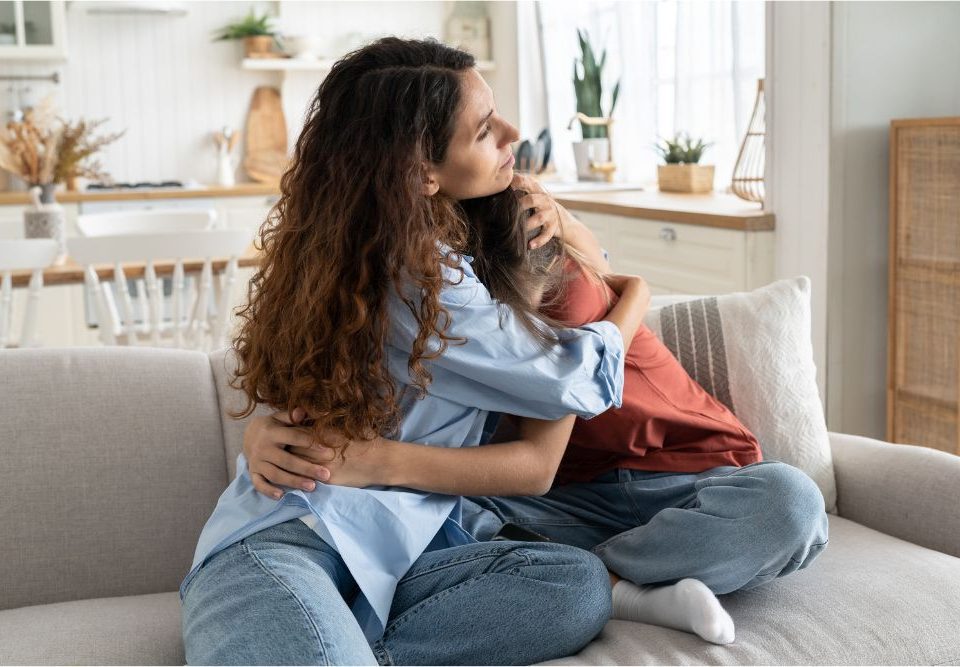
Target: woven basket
column 685, row 177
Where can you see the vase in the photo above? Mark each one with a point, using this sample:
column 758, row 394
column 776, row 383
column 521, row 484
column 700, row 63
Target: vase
column 588, row 150
column 258, row 46
column 47, row 191
column 747, row 182
column 47, row 222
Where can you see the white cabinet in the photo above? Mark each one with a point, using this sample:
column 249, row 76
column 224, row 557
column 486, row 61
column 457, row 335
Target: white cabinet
column 677, row 258
column 244, row 212
column 11, row 222
column 34, row 30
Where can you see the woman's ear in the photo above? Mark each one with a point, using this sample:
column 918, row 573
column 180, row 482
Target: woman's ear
column 430, row 186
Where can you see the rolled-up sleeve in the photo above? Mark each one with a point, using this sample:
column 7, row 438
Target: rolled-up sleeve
column 502, row 367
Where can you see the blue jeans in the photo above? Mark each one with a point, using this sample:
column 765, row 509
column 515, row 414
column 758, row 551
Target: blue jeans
column 282, row 596
column 730, row 527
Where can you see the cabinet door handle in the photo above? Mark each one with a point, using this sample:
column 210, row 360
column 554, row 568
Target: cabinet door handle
column 668, row 234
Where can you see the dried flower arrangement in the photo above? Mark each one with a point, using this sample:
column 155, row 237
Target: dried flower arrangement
column 44, row 149
column 76, row 145
column 29, row 148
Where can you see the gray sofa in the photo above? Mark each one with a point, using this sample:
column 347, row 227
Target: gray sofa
column 112, row 459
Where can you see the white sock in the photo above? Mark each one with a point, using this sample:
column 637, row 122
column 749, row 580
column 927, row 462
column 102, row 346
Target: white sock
column 687, row 605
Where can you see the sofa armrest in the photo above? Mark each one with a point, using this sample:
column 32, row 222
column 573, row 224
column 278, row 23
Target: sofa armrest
column 905, row 491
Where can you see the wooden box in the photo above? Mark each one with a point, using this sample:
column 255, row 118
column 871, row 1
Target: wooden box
column 685, row 177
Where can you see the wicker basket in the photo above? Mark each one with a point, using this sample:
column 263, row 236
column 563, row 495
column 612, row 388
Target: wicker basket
column 685, row 177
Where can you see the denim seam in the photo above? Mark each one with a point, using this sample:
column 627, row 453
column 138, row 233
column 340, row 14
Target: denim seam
column 521, row 521
column 303, row 608
column 381, row 653
column 633, row 503
column 495, row 552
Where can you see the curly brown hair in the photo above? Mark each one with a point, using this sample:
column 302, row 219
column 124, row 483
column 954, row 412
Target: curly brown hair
column 352, row 224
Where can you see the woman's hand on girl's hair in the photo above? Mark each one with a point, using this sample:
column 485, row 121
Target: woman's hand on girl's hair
column 270, row 465
column 546, row 218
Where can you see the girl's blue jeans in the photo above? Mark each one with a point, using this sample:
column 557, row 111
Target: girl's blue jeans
column 282, row 596
column 730, row 527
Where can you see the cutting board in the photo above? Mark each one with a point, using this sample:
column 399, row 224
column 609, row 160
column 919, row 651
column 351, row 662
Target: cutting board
column 266, row 139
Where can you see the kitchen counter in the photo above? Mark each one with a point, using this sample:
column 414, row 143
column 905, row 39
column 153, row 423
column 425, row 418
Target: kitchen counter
column 65, row 197
column 715, row 209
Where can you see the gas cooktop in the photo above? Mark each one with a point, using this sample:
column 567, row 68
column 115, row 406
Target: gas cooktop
column 143, row 185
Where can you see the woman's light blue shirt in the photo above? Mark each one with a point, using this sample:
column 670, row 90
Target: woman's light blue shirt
column 380, row 531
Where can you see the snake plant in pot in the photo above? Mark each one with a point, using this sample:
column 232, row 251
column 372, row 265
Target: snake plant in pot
column 589, row 89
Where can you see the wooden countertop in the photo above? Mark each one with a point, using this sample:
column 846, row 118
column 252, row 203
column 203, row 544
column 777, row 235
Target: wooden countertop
column 714, row 209
column 65, row 197
column 71, row 273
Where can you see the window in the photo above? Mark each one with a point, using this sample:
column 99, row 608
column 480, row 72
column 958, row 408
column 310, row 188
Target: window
column 683, row 66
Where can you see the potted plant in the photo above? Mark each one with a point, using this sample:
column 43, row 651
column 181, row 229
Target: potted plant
column 682, row 171
column 589, row 88
column 44, row 150
column 256, row 32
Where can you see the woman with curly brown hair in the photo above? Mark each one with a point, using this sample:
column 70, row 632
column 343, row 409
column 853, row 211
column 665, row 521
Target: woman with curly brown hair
column 366, row 313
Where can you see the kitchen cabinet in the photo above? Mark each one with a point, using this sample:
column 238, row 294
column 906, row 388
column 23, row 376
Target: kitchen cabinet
column 34, row 30
column 680, row 258
column 11, row 222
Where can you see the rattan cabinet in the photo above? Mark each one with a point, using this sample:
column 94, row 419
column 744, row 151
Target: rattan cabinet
column 923, row 369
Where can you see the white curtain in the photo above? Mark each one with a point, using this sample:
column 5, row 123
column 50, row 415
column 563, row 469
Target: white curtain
column 683, row 66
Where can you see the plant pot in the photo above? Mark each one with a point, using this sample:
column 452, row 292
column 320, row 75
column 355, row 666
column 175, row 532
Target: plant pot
column 258, row 46
column 690, row 178
column 586, row 150
column 47, row 224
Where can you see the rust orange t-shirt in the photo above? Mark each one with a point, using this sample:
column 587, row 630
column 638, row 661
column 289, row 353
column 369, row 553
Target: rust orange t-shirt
column 667, row 421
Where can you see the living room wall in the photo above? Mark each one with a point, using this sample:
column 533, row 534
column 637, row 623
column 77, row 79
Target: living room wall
column 890, row 60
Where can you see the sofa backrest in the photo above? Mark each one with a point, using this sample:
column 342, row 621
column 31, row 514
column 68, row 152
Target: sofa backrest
column 111, row 461
column 224, row 365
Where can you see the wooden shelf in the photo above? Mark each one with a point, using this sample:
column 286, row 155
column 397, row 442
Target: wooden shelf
column 67, row 197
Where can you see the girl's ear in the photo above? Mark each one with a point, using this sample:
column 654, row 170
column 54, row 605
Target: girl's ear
column 430, row 186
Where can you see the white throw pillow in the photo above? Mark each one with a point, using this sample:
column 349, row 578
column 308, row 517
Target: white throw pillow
column 752, row 351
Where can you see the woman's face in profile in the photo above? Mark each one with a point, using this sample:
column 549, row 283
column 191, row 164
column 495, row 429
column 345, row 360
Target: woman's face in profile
column 478, row 161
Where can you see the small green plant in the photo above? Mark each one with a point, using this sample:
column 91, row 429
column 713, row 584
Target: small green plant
column 681, row 150
column 250, row 26
column 589, row 87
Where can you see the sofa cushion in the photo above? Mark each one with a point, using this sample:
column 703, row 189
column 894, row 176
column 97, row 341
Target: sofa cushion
column 753, row 352
column 868, row 599
column 133, row 630
column 112, row 462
